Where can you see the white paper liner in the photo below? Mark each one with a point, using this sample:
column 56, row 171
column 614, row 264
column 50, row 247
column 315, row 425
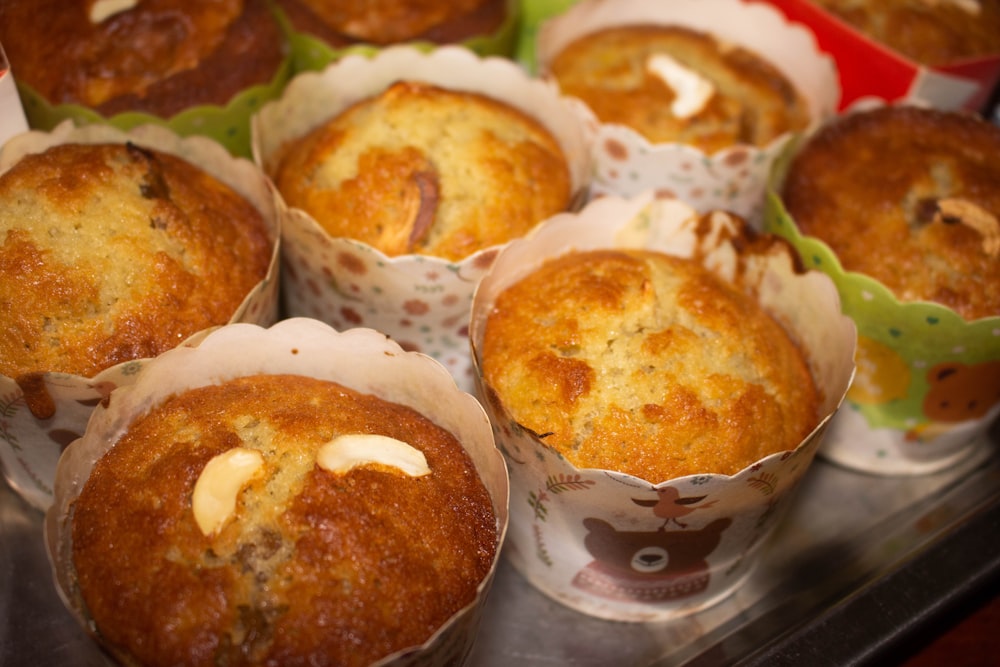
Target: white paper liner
column 361, row 359
column 704, row 556
column 735, row 178
column 30, row 447
column 422, row 301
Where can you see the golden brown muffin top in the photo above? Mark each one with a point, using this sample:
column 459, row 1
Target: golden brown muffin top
column 931, row 32
column 313, row 567
column 383, row 22
column 113, row 252
column 646, row 363
column 156, row 56
column 426, row 170
column 910, row 197
column 619, row 73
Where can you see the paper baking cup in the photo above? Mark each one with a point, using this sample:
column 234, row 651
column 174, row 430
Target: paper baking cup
column 310, row 53
column 919, row 366
column 362, row 360
column 733, row 179
column 30, row 444
column 421, row 301
column 229, row 124
column 579, row 535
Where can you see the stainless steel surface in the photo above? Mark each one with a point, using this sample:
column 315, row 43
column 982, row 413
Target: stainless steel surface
column 848, row 535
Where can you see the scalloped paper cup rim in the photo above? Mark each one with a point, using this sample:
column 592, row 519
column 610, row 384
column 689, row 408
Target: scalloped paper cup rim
column 28, row 456
column 562, row 514
column 299, row 346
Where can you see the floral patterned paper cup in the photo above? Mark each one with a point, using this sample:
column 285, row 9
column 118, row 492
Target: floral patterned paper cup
column 361, row 359
column 32, row 438
column 598, row 540
column 733, row 179
column 928, row 381
column 421, row 301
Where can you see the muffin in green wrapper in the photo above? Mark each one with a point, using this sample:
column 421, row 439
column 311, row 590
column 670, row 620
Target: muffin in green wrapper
column 197, row 68
column 323, row 31
column 899, row 205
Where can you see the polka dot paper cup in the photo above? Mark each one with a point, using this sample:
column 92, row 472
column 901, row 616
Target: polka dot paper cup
column 928, row 381
column 362, row 360
column 40, row 420
column 733, row 178
column 619, row 547
column 421, row 301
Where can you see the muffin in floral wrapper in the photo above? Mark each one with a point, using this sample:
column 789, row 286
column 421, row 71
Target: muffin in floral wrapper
column 693, row 100
column 404, row 173
column 165, row 238
column 913, row 253
column 487, row 27
column 196, row 68
column 285, row 521
column 631, row 540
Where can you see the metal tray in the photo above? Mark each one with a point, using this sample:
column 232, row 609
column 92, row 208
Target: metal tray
column 859, row 564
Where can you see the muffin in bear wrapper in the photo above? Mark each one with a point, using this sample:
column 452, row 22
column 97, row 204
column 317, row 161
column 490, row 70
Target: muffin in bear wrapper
column 617, row 545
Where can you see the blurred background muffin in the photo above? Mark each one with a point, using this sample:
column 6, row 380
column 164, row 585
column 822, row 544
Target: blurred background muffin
column 421, row 169
column 693, row 100
column 671, row 83
column 931, row 32
column 383, row 22
column 156, row 58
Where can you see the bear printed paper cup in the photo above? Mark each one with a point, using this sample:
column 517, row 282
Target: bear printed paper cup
column 733, row 178
column 35, row 428
column 421, row 301
column 927, row 386
column 361, row 359
column 613, row 545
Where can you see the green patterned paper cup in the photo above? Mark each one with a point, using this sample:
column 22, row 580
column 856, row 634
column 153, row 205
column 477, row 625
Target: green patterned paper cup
column 735, row 177
column 229, row 125
column 928, row 382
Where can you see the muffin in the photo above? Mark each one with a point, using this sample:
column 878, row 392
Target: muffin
column 646, row 363
column 930, row 33
column 659, row 382
column 318, row 561
column 290, row 495
column 341, row 23
column 422, row 169
column 154, row 56
column 116, row 246
column 672, row 83
column 908, row 196
column 899, row 205
column 116, row 251
column 693, row 100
